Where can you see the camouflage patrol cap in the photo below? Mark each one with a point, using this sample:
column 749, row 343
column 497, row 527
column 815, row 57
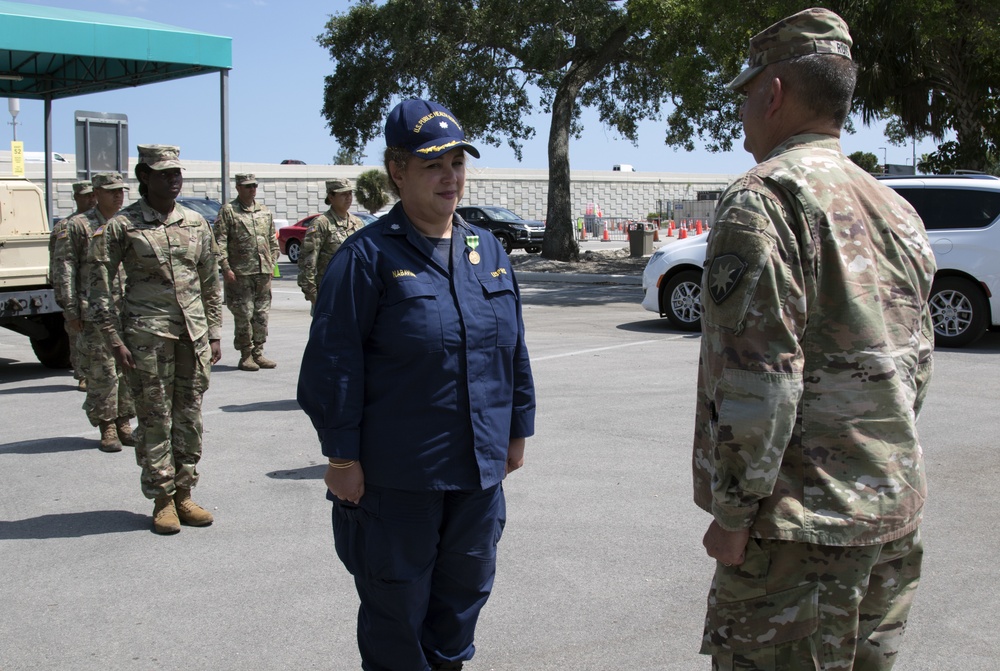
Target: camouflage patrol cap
column 337, row 185
column 82, row 188
column 109, row 181
column 160, row 156
column 245, row 178
column 811, row 31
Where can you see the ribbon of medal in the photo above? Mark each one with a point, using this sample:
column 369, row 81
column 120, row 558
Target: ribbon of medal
column 472, row 241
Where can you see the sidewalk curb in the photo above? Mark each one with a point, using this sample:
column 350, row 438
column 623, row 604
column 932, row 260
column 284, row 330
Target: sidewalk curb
column 579, row 278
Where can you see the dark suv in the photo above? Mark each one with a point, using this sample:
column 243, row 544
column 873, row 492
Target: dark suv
column 512, row 231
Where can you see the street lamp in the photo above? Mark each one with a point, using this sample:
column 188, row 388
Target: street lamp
column 885, row 160
column 14, row 105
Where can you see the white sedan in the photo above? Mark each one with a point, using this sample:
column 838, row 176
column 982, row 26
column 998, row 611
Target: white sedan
column 671, row 282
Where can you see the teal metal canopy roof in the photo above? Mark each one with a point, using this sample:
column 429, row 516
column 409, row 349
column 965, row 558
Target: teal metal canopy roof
column 50, row 53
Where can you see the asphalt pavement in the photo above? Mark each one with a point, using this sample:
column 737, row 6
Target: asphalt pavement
column 600, row 566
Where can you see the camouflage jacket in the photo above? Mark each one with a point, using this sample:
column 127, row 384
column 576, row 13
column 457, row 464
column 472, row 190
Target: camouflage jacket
column 71, row 267
column 322, row 240
column 246, row 239
column 173, row 286
column 815, row 354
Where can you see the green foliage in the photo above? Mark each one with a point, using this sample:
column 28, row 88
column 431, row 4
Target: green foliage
column 348, row 157
column 866, row 161
column 372, row 190
column 494, row 63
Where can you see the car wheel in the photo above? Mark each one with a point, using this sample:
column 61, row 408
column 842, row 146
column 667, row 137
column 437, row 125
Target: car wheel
column 505, row 243
column 959, row 312
column 533, row 250
column 293, row 247
column 680, row 300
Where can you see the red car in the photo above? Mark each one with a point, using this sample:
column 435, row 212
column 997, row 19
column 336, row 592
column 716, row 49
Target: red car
column 290, row 237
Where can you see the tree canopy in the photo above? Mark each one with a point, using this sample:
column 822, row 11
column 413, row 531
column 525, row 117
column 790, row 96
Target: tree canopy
column 928, row 64
column 493, row 62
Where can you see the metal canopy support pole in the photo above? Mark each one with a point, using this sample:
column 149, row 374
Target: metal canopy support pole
column 224, row 128
column 48, row 159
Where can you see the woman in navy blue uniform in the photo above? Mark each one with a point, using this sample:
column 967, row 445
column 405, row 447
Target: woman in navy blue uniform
column 417, row 379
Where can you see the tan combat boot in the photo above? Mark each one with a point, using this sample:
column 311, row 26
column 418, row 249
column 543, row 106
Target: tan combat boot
column 190, row 512
column 247, row 362
column 125, row 434
column 261, row 360
column 165, row 515
column 109, row 438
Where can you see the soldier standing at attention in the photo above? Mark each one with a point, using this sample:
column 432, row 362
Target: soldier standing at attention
column 325, row 235
column 108, row 404
column 83, row 196
column 815, row 357
column 248, row 251
column 171, row 325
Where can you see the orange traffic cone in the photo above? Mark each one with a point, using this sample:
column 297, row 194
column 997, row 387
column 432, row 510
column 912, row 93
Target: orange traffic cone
column 606, row 236
column 683, row 233
column 697, row 227
column 583, row 233
column 656, row 234
column 670, row 230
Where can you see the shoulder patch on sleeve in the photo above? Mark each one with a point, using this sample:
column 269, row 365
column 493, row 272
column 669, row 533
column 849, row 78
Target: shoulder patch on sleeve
column 724, row 275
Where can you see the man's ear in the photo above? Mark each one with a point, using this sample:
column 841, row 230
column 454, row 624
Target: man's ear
column 777, row 97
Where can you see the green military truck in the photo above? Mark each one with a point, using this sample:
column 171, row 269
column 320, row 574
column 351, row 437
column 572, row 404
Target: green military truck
column 27, row 301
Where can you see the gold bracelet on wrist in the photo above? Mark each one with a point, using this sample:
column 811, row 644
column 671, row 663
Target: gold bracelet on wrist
column 347, row 464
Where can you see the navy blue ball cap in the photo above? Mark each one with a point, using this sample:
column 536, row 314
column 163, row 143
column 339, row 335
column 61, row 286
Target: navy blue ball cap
column 426, row 129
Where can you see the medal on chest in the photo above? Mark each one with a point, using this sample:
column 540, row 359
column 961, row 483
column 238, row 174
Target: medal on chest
column 472, row 241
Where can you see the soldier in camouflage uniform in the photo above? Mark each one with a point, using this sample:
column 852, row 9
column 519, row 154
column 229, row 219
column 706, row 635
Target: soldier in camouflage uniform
column 85, row 199
column 171, row 324
column 815, row 357
column 325, row 235
column 108, row 404
column 248, row 251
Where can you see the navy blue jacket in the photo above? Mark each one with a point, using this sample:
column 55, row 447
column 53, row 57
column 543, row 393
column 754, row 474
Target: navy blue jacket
column 420, row 373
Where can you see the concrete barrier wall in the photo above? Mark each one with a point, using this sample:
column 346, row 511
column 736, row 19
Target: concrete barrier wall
column 295, row 191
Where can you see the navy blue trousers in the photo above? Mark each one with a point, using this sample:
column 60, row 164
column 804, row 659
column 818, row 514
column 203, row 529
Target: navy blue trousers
column 423, row 564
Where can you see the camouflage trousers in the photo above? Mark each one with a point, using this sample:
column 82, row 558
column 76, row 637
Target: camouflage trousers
column 795, row 606
column 77, row 354
column 167, row 385
column 108, row 394
column 249, row 299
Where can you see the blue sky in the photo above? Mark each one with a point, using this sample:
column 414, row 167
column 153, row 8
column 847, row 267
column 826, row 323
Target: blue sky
column 276, row 93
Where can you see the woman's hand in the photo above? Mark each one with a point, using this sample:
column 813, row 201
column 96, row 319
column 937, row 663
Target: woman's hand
column 123, row 356
column 216, row 348
column 347, row 484
column 515, row 454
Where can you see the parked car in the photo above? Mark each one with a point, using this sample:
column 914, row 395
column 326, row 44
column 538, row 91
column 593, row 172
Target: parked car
column 292, row 161
column 962, row 216
column 290, row 237
column 206, row 207
column 512, row 231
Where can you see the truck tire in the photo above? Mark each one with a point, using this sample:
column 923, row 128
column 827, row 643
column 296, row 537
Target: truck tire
column 53, row 350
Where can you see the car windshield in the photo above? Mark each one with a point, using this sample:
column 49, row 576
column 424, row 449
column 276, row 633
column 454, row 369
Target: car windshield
column 206, row 208
column 501, row 214
column 365, row 217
